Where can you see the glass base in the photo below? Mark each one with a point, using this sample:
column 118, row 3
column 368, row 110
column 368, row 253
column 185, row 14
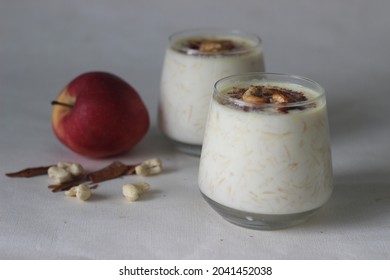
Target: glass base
column 259, row 221
column 190, row 149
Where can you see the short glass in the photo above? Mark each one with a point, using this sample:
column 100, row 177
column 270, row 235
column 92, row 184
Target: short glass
column 266, row 165
column 194, row 61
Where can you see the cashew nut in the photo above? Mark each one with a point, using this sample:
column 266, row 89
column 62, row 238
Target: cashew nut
column 133, row 191
column 58, row 174
column 149, row 167
column 252, row 95
column 75, row 169
column 82, row 192
column 279, row 98
column 64, row 172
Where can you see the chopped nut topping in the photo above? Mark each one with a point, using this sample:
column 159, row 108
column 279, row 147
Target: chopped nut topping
column 215, row 46
column 272, row 95
column 211, row 46
column 279, row 98
column 254, row 94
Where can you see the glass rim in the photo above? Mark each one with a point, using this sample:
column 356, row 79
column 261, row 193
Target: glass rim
column 212, row 32
column 260, row 76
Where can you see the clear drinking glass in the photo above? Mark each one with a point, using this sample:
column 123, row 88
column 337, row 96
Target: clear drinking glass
column 266, row 164
column 194, row 61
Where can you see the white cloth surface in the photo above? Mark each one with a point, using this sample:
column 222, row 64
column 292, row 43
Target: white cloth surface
column 343, row 45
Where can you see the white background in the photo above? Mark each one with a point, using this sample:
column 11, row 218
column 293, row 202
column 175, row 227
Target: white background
column 343, row 45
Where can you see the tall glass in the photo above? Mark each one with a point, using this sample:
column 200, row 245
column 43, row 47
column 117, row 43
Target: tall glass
column 194, row 61
column 266, row 157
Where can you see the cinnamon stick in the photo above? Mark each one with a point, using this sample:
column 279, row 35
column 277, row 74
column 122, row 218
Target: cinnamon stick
column 29, row 172
column 69, row 184
column 111, row 171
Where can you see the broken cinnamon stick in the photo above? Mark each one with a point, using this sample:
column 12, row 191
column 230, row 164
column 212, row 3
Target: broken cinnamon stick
column 29, row 172
column 69, row 184
column 111, row 171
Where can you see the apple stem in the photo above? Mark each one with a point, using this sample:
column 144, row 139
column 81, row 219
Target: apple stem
column 61, row 103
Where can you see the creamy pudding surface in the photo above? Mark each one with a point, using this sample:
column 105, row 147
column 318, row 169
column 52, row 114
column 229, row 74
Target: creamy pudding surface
column 192, row 66
column 267, row 149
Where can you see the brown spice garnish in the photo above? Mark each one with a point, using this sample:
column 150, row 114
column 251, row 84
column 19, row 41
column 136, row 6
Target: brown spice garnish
column 29, row 172
column 236, row 93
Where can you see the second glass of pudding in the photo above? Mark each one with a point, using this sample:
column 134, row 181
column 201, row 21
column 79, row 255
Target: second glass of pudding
column 194, row 61
column 266, row 157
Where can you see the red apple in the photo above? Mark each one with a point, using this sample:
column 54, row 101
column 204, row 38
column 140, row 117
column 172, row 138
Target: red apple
column 99, row 115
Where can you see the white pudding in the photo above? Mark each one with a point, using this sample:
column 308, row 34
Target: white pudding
column 267, row 159
column 188, row 77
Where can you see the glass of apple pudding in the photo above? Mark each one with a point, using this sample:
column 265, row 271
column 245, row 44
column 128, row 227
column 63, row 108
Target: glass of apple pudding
column 194, row 61
column 266, row 156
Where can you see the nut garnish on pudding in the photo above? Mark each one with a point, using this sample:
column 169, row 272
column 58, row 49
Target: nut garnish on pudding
column 268, row 95
column 207, row 46
column 211, row 46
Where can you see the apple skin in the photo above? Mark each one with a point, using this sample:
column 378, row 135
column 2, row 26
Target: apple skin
column 99, row 115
